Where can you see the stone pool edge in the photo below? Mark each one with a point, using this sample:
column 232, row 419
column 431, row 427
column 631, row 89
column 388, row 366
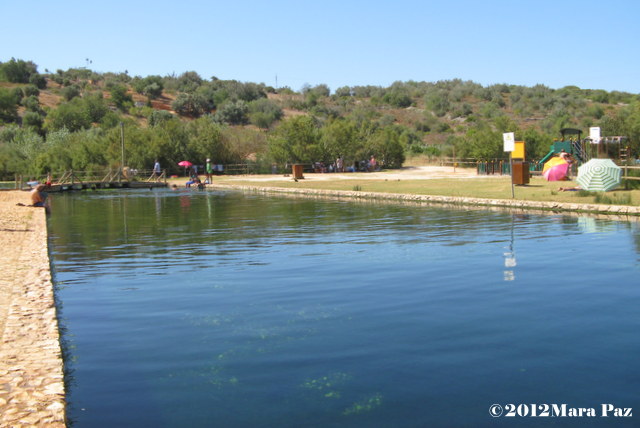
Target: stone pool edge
column 32, row 389
column 613, row 210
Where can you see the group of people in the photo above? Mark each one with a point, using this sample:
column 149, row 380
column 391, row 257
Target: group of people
column 339, row 166
column 194, row 178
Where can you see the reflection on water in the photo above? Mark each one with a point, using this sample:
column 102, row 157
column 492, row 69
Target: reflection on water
column 188, row 308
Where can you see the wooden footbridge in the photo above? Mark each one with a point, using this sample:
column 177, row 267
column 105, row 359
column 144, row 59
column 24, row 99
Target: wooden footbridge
column 110, row 179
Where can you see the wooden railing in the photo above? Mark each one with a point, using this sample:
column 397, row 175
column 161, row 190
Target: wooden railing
column 103, row 176
column 625, row 172
column 461, row 162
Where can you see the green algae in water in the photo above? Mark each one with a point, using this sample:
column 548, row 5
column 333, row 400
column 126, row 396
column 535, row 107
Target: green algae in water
column 328, row 386
column 365, row 405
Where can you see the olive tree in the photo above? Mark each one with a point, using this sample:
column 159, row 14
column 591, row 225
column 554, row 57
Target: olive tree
column 233, row 113
column 296, row 140
column 17, row 71
column 190, row 104
column 263, row 113
column 8, row 106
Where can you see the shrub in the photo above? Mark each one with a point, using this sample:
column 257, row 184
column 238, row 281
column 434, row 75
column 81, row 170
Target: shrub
column 438, row 103
column 95, row 106
column 18, row 94
column 38, row 80
column 191, row 105
column 397, row 98
column 30, row 90
column 33, row 119
column 72, row 115
column 31, row 103
column 17, row 71
column 159, row 116
column 263, row 113
column 189, row 81
column 120, row 98
column 344, row 91
column 151, row 86
column 233, row 113
column 70, row 92
column 8, row 106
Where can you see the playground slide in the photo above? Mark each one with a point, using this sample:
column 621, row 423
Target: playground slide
column 547, row 156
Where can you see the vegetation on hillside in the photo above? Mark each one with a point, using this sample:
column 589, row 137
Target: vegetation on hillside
column 73, row 119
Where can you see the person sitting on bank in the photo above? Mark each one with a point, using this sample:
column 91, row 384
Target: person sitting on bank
column 38, row 196
column 194, row 180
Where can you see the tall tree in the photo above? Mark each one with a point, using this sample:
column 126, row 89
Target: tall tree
column 8, row 106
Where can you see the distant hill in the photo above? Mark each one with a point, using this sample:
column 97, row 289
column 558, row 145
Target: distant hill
column 417, row 118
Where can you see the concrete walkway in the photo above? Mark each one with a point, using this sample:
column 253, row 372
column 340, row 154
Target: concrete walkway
column 32, row 389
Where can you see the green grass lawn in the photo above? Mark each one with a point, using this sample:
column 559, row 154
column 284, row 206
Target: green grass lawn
column 483, row 187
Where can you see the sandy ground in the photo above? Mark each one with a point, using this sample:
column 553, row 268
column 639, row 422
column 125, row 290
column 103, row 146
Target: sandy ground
column 406, row 173
column 31, row 368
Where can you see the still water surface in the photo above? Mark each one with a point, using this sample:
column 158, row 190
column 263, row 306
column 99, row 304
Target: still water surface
column 211, row 309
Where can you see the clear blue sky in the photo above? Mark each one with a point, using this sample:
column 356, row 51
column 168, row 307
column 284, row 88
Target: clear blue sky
column 590, row 44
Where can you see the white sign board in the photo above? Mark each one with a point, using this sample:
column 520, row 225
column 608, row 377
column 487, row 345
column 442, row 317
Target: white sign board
column 594, row 134
column 509, row 139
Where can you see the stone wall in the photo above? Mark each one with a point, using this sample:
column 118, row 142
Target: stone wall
column 615, row 210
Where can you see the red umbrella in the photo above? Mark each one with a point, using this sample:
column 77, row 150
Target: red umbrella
column 186, row 164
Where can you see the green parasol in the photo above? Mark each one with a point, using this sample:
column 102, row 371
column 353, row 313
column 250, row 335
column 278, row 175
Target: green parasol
column 599, row 175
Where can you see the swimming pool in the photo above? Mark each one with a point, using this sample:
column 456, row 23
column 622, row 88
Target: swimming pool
column 187, row 308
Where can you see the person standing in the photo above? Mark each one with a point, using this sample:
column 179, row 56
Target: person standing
column 156, row 170
column 208, row 169
column 339, row 164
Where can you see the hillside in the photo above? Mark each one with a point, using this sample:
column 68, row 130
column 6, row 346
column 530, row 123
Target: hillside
column 279, row 125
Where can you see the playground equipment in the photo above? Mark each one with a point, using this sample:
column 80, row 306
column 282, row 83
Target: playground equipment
column 614, row 147
column 583, row 149
column 576, row 147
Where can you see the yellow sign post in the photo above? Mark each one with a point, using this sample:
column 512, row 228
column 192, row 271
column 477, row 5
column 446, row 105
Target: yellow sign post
column 518, row 150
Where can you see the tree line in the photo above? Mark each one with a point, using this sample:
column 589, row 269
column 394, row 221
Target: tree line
column 173, row 118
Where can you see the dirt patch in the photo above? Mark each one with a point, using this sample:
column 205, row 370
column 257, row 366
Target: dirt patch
column 49, row 99
column 407, row 173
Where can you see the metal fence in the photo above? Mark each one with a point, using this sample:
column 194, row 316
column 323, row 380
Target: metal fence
column 492, row 167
